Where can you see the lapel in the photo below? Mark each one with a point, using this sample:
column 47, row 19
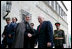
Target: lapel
column 43, row 26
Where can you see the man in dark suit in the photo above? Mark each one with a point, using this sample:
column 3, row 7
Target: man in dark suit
column 14, row 20
column 14, row 24
column 34, row 39
column 4, row 35
column 8, row 33
column 45, row 33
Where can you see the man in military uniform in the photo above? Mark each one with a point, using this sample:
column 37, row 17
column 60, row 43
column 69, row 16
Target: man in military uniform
column 59, row 36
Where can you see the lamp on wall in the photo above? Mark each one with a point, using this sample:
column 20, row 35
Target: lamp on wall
column 8, row 8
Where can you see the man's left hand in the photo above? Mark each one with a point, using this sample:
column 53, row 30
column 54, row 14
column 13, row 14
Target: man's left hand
column 49, row 44
column 29, row 35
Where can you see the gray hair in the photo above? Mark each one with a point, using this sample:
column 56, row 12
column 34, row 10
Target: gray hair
column 41, row 16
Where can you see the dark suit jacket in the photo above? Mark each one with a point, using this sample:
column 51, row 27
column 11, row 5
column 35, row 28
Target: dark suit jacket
column 29, row 41
column 45, row 35
column 7, row 31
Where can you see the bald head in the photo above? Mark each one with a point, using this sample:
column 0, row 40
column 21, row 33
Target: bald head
column 40, row 18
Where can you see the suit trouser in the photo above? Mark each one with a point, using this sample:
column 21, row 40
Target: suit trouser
column 28, row 43
column 60, row 46
column 3, row 45
column 9, row 45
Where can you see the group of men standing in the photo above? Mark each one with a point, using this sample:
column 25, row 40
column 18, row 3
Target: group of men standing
column 9, row 32
column 23, row 35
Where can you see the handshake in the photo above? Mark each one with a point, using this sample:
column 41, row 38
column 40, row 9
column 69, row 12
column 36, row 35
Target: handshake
column 29, row 35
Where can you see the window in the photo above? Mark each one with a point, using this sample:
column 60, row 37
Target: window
column 52, row 3
column 48, row 2
column 56, row 5
column 57, row 8
column 65, row 14
column 60, row 11
column 36, row 2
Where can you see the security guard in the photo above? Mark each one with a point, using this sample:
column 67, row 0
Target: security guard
column 59, row 36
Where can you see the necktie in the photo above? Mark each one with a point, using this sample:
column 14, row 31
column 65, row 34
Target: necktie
column 39, row 27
